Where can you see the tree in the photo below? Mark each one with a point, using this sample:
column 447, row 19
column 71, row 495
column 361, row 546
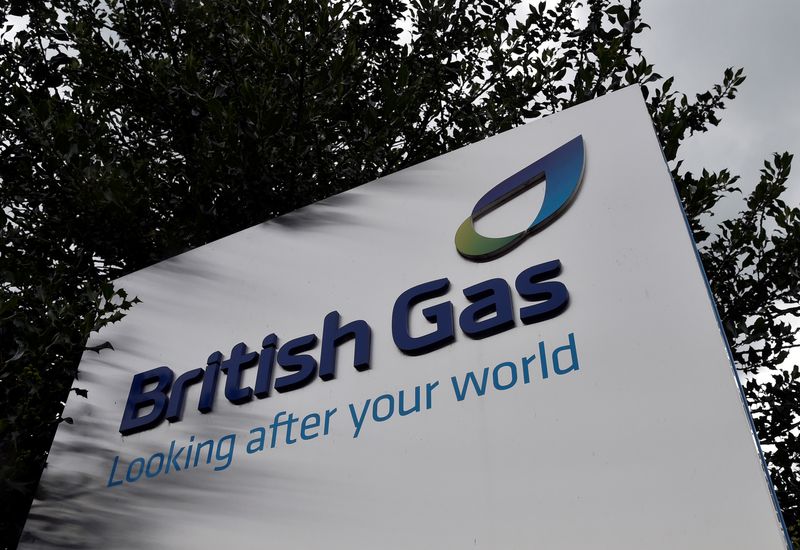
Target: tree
column 133, row 130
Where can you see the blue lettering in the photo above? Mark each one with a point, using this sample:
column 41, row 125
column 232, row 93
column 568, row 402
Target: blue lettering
column 358, row 421
column 489, row 297
column 303, row 366
column 389, row 408
column 512, row 379
column 553, row 295
column 573, row 353
column 401, row 403
column 178, row 394
column 480, row 389
column 256, row 444
column 440, row 315
column 172, row 458
column 265, row 365
column 333, row 336
column 204, row 445
column 328, row 415
column 148, row 471
column 139, row 398
column 209, row 388
column 490, row 311
column 130, row 475
column 226, row 455
column 277, row 423
column 310, row 422
column 543, row 359
column 111, row 481
column 239, row 360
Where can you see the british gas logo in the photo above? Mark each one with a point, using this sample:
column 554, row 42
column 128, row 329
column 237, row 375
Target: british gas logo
column 562, row 170
column 283, row 366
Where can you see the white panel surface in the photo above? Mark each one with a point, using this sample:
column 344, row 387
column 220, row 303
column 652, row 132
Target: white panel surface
column 646, row 445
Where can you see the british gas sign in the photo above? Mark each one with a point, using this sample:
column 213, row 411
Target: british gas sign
column 510, row 345
column 491, row 311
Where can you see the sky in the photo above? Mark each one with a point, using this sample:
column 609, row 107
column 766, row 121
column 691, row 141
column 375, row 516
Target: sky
column 695, row 40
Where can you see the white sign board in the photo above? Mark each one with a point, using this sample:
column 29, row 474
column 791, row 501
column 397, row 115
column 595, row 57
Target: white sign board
column 567, row 386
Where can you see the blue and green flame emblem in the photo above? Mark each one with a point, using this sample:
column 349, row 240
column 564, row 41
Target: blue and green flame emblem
column 562, row 170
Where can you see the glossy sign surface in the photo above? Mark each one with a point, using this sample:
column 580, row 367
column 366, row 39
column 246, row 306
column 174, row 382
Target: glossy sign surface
column 572, row 392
